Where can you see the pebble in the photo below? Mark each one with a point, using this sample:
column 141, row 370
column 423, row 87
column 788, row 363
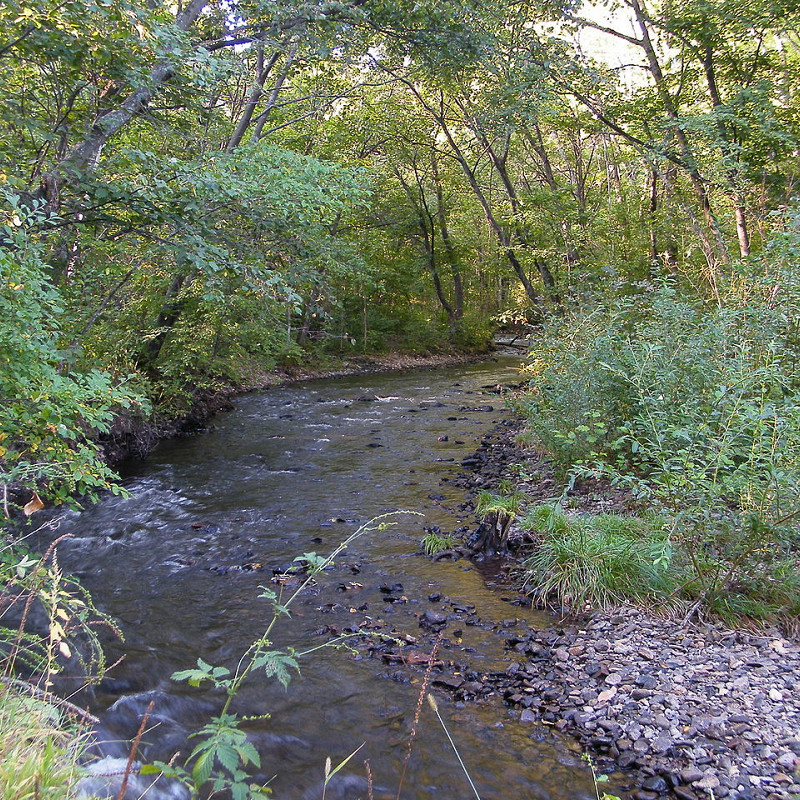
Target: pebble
column 690, row 712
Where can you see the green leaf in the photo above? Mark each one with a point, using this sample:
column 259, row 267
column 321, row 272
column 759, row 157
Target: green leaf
column 201, row 771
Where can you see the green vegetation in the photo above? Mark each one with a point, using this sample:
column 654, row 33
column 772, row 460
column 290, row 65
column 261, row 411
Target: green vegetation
column 434, row 542
column 596, row 561
column 694, row 411
column 192, row 194
column 40, row 747
column 49, row 636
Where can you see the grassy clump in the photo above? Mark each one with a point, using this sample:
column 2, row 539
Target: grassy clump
column 436, row 542
column 597, row 560
column 39, row 748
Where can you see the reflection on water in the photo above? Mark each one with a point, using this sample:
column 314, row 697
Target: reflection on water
column 290, row 471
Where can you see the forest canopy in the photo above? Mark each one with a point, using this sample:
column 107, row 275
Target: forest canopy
column 194, row 192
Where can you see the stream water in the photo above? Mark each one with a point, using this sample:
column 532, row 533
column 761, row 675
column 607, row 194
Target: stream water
column 289, row 471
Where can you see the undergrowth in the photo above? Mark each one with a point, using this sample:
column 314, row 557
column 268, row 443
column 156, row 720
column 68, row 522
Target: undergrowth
column 695, row 412
column 40, row 747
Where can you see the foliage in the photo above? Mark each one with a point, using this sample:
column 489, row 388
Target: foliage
column 49, row 413
column 695, row 411
column 434, row 542
column 49, row 637
column 596, row 560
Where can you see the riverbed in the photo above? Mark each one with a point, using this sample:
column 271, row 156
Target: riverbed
column 295, row 470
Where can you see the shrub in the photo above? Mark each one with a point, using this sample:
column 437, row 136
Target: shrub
column 697, row 412
column 50, row 413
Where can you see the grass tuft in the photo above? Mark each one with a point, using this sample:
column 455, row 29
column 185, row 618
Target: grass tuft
column 39, row 747
column 596, row 561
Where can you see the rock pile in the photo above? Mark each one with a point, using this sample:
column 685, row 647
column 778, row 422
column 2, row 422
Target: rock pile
column 690, row 713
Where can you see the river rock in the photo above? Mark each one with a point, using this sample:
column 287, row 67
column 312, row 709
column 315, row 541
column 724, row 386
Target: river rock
column 433, row 620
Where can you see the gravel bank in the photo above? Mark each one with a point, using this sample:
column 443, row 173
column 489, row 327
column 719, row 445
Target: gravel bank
column 686, row 712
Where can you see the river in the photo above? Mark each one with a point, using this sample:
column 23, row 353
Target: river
column 288, row 471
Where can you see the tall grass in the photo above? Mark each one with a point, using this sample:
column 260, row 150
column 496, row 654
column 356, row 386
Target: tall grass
column 597, row 561
column 39, row 748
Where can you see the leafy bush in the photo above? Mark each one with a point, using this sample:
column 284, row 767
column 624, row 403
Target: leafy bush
column 596, row 560
column 48, row 412
column 697, row 412
column 49, row 635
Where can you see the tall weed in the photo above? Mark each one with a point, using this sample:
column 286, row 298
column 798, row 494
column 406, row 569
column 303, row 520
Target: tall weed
column 697, row 412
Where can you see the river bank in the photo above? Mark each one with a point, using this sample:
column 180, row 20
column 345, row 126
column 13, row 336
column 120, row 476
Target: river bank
column 211, row 517
column 671, row 709
column 292, row 468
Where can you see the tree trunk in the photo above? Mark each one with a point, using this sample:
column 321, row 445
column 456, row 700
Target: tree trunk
column 447, row 242
column 84, row 156
column 716, row 250
column 652, row 220
column 427, row 230
column 499, row 230
column 275, row 93
column 167, row 318
column 726, row 150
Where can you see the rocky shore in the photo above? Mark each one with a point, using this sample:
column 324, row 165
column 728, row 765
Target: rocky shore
column 670, row 710
column 685, row 712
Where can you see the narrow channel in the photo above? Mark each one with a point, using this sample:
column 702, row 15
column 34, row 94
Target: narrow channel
column 294, row 470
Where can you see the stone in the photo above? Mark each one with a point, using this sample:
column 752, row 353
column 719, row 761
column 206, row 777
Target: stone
column 691, row 774
column 606, row 695
column 661, row 743
column 684, row 793
column 655, row 783
column 433, row 619
column 709, row 782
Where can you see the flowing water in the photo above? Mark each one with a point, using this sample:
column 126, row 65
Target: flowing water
column 293, row 470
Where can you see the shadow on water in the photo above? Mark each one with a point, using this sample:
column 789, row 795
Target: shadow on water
column 294, row 470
